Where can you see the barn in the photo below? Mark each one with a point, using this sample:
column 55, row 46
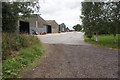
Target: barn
column 37, row 24
column 62, row 27
column 54, row 26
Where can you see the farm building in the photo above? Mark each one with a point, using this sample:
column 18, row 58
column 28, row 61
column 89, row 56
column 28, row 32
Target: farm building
column 36, row 24
column 54, row 26
column 62, row 27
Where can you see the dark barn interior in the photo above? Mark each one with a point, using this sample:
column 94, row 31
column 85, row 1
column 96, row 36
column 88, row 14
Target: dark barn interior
column 49, row 29
column 24, row 27
column 59, row 28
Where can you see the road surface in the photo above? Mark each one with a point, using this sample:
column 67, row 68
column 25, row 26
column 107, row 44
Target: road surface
column 73, row 38
column 68, row 56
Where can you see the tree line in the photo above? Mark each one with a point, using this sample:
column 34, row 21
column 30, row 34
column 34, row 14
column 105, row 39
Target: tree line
column 101, row 18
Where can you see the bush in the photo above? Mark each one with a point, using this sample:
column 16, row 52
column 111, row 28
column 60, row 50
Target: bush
column 11, row 43
column 88, row 34
column 29, row 48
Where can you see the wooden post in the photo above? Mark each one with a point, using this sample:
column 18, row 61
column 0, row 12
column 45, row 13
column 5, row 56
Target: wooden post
column 96, row 36
column 114, row 38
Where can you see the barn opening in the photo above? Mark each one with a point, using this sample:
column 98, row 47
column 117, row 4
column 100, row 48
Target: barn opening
column 59, row 29
column 49, row 29
column 24, row 27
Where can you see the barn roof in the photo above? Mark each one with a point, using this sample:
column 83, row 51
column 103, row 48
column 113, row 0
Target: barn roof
column 50, row 22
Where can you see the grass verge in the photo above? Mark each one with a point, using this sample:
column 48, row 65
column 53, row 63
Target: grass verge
column 105, row 41
column 12, row 66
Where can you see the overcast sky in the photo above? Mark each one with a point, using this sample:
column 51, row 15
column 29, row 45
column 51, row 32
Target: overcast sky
column 63, row 11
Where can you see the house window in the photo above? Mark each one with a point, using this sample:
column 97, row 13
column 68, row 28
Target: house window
column 36, row 24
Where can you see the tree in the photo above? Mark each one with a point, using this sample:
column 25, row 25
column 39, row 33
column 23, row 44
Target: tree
column 77, row 27
column 113, row 18
column 88, row 18
column 97, row 25
column 101, row 17
column 11, row 12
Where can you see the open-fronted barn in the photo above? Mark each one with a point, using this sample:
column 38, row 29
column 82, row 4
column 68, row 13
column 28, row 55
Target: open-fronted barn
column 29, row 25
column 37, row 24
column 54, row 26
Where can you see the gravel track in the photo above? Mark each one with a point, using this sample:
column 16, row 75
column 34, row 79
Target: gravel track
column 69, row 59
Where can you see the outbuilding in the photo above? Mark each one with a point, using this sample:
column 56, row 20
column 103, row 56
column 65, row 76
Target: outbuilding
column 62, row 27
column 54, row 26
column 37, row 24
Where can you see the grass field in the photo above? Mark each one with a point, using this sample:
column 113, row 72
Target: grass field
column 105, row 41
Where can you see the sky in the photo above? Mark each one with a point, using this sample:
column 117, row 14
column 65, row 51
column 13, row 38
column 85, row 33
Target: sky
column 62, row 11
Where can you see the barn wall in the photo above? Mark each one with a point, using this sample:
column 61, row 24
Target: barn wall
column 45, row 28
column 62, row 27
column 40, row 22
column 41, row 27
column 39, row 30
column 54, row 25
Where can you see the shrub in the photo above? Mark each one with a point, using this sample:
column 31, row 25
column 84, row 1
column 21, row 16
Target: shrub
column 29, row 48
column 14, row 42
column 88, row 34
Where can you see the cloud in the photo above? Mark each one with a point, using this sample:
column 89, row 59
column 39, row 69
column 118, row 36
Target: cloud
column 66, row 11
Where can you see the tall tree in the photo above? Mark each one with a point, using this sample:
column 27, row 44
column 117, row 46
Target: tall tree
column 96, row 18
column 91, row 18
column 101, row 17
column 86, row 12
column 11, row 12
column 113, row 18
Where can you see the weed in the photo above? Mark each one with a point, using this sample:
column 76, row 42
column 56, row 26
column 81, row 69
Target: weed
column 29, row 48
